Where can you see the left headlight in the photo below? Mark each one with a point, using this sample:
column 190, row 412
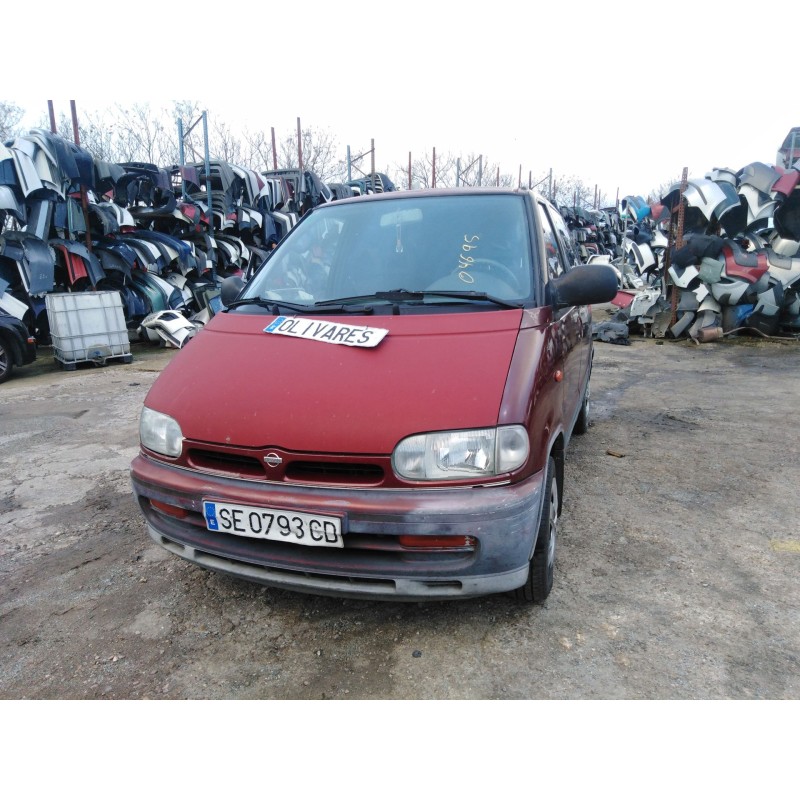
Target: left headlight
column 160, row 433
column 454, row 455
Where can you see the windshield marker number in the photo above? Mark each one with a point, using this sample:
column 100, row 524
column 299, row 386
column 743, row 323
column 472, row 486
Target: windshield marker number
column 464, row 260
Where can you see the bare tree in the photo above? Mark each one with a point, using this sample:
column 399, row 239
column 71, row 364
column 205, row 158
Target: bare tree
column 662, row 190
column 423, row 168
column 259, row 150
column 150, row 134
column 478, row 170
column 225, row 145
column 319, row 149
column 571, row 191
column 10, row 117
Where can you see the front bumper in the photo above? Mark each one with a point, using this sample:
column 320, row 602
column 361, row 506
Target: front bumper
column 502, row 520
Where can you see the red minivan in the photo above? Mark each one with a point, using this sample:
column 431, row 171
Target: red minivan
column 382, row 410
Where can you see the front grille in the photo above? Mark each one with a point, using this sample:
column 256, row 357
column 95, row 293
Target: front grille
column 225, row 463
column 312, row 470
column 342, row 473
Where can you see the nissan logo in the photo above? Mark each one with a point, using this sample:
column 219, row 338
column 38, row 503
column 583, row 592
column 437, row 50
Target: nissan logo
column 272, row 460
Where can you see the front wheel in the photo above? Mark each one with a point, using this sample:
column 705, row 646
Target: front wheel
column 540, row 571
column 6, row 361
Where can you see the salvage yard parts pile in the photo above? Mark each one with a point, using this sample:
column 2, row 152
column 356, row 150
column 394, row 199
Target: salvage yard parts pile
column 166, row 237
column 144, row 231
column 738, row 266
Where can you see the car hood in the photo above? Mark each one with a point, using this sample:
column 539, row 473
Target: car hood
column 235, row 384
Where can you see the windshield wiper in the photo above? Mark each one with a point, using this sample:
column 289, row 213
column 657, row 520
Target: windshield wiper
column 348, row 301
column 277, row 307
column 271, row 305
column 421, row 296
column 470, row 295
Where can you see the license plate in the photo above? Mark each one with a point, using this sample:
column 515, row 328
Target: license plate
column 275, row 524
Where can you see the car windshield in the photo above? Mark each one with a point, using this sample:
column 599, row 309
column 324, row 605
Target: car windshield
column 421, row 249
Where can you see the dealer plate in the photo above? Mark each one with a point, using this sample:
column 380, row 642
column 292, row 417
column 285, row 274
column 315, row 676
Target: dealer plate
column 275, row 524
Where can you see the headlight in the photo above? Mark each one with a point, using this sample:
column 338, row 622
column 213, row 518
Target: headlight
column 160, row 433
column 452, row 455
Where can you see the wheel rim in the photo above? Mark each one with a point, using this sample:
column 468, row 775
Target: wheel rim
column 553, row 525
column 3, row 360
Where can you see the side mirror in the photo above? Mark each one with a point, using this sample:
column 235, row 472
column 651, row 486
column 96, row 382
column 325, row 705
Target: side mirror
column 230, row 289
column 584, row 285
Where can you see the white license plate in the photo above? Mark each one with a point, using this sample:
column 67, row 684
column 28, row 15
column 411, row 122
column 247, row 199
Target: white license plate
column 277, row 525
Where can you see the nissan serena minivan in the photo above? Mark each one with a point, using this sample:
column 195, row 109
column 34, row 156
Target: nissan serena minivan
column 382, row 410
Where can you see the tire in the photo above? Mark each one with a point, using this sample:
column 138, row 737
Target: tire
column 540, row 572
column 6, row 361
column 582, row 422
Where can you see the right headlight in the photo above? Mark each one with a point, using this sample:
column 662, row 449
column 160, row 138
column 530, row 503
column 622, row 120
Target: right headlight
column 455, row 455
column 160, row 433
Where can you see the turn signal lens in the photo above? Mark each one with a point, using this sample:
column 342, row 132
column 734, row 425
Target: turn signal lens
column 437, row 542
column 173, row 511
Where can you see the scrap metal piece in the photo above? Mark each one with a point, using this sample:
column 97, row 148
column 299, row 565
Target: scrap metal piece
column 730, row 201
column 747, row 265
column 683, row 322
column 760, row 176
column 687, row 301
column 707, row 321
column 645, row 258
column 35, row 260
column 710, row 304
column 785, row 247
column 708, row 334
column 711, row 270
column 770, row 301
column 787, row 217
column 171, row 327
column 730, row 291
column 661, row 323
column 723, row 175
column 734, row 316
column 785, row 185
column 635, row 207
column 643, row 302
column 27, row 176
column 660, row 240
column 701, row 292
column 760, row 206
column 706, row 196
column 8, row 202
column 683, row 277
column 784, row 269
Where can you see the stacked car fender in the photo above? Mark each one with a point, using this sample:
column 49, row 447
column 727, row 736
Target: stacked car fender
column 739, row 264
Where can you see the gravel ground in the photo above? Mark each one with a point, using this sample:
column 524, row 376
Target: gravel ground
column 676, row 571
column 676, row 576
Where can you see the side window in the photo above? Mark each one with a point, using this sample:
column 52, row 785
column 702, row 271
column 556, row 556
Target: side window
column 567, row 242
column 565, row 237
column 555, row 262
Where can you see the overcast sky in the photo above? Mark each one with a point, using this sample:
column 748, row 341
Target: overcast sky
column 623, row 96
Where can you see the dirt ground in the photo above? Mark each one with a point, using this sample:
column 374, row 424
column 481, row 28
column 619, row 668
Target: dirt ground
column 676, row 569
